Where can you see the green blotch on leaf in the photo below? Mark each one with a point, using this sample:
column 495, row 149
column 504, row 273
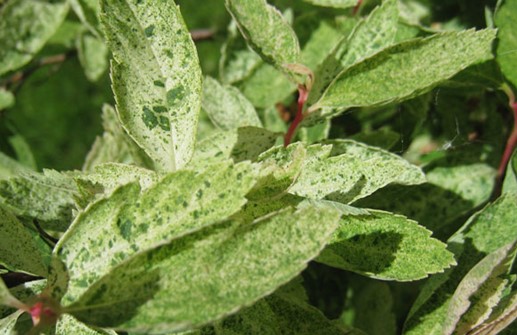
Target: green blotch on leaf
column 175, row 95
column 160, row 109
column 149, row 31
column 143, row 228
column 125, row 228
column 159, row 83
column 164, row 123
column 149, row 118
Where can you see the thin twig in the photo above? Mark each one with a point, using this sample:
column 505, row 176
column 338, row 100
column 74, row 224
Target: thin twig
column 202, row 34
column 19, row 77
column 511, row 143
column 357, row 6
column 303, row 94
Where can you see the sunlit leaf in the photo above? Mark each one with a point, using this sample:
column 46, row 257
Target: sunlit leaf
column 156, row 78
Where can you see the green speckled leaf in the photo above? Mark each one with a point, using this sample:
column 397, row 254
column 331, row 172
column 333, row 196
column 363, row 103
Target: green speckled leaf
column 473, row 182
column 47, row 196
column 93, row 55
column 386, row 246
column 204, row 276
column 10, row 167
column 279, row 167
column 510, row 181
column 266, row 31
column 369, row 36
column 23, row 151
column 277, row 314
column 266, row 86
column 241, row 144
column 18, row 250
column 407, row 70
column 227, row 107
column 156, row 77
column 8, row 324
column 506, row 53
column 485, row 232
column 321, row 43
column 333, row 3
column 5, row 296
column 237, row 61
column 479, row 291
column 455, row 187
column 6, row 98
column 353, row 171
column 88, row 12
column 114, row 146
column 25, row 27
column 106, row 178
column 134, row 220
column 67, row 325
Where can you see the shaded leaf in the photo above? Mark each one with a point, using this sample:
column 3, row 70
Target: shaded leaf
column 114, row 146
column 88, row 12
column 277, row 314
column 8, row 324
column 227, row 107
column 500, row 320
column 321, row 43
column 386, row 246
column 266, row 31
column 237, row 61
column 510, row 181
column 23, row 151
column 6, row 98
column 479, row 291
column 266, row 86
column 372, row 303
column 206, row 275
column 18, row 249
column 9, row 167
column 25, row 27
column 93, row 55
column 485, row 232
column 383, row 138
column 156, row 78
column 241, row 144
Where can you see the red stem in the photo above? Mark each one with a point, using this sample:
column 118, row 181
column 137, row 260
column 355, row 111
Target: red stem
column 510, row 144
column 303, row 93
column 357, row 6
